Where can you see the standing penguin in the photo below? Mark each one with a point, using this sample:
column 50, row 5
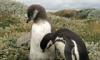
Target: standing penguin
column 69, row 44
column 40, row 28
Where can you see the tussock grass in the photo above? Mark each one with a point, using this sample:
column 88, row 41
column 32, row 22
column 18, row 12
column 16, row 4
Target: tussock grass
column 14, row 30
column 8, row 37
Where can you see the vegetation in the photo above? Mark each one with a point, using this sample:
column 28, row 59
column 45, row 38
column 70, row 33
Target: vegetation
column 66, row 13
column 9, row 12
column 79, row 14
column 95, row 14
column 13, row 25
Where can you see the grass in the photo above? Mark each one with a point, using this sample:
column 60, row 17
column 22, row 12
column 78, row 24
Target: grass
column 88, row 30
column 13, row 25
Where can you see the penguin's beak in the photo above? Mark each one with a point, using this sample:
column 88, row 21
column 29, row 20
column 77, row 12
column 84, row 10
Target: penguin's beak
column 43, row 50
column 28, row 20
column 49, row 46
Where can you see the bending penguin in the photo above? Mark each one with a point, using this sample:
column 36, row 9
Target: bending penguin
column 40, row 28
column 69, row 44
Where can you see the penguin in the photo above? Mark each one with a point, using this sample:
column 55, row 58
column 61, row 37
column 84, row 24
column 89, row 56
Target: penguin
column 40, row 27
column 69, row 44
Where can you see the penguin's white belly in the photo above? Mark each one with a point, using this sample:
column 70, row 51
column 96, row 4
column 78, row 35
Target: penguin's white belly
column 38, row 31
column 60, row 46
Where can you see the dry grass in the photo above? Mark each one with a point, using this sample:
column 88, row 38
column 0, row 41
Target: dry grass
column 8, row 37
column 14, row 31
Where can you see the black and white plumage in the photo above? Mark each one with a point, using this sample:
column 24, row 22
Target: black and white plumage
column 40, row 28
column 68, row 43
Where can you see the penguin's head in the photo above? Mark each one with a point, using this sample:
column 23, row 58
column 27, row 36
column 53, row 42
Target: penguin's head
column 47, row 41
column 35, row 12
